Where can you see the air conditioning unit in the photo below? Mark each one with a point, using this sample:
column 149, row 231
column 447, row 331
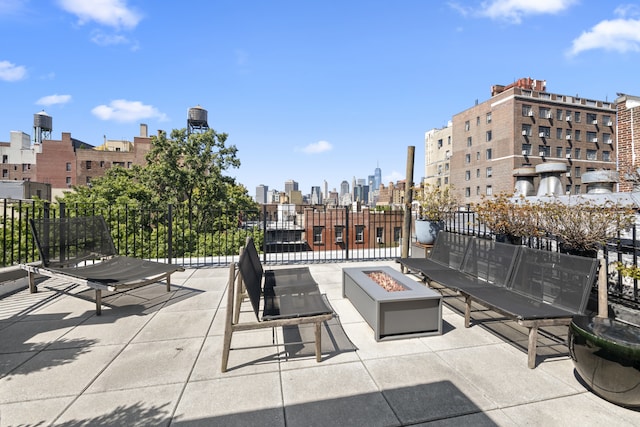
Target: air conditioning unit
column 568, row 137
column 568, row 156
column 524, row 132
column 339, row 239
column 525, row 152
column 541, row 134
column 378, row 239
column 568, row 174
column 568, row 118
column 594, row 139
column 530, row 113
column 609, row 123
column 595, row 122
column 542, row 154
column 609, row 141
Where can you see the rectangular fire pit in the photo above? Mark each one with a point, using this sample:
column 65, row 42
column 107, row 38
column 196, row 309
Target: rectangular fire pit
column 407, row 309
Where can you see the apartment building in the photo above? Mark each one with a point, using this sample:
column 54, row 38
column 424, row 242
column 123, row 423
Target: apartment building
column 438, row 152
column 523, row 125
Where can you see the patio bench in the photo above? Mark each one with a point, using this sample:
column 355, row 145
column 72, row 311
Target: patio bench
column 533, row 287
column 288, row 297
column 80, row 250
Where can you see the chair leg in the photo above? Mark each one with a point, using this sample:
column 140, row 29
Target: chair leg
column 169, row 283
column 32, row 282
column 532, row 349
column 467, row 311
column 318, row 333
column 98, row 302
column 226, row 347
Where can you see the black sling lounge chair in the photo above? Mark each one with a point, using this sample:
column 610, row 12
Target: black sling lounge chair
column 81, row 250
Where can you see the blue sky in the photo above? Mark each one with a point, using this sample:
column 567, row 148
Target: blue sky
column 306, row 90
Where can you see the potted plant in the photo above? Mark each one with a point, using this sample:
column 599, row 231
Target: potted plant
column 509, row 219
column 582, row 226
column 435, row 205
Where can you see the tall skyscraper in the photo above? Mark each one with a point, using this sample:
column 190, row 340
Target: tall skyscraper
column 261, row 194
column 290, row 185
column 377, row 179
column 316, row 195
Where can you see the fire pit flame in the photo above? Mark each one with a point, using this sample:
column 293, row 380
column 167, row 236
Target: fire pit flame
column 385, row 281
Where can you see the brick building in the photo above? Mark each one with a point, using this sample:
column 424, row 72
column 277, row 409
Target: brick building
column 524, row 125
column 628, row 147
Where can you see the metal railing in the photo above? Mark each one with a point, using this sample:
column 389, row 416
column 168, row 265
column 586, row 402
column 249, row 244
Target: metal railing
column 204, row 237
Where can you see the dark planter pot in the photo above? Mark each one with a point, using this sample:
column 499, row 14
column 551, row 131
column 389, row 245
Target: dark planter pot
column 426, row 231
column 606, row 355
column 588, row 253
column 509, row 238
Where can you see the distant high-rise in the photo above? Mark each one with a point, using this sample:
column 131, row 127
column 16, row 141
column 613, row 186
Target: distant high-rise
column 377, row 179
column 261, row 194
column 316, row 195
column 290, row 185
column 344, row 188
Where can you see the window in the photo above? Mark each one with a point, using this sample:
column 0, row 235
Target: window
column 379, row 234
column 577, row 116
column 567, row 189
column 68, row 180
column 576, row 189
column 578, row 153
column 526, row 130
column 5, row 158
column 338, row 231
column 489, row 117
column 606, row 138
column 558, row 133
column 592, row 155
column 397, row 233
column 488, row 154
column 489, row 172
column 488, row 135
column 88, row 164
column 568, row 135
column 317, row 235
column 526, row 110
column 559, row 151
column 5, row 173
column 440, row 143
column 88, row 180
column 544, row 151
column 478, row 121
column 567, row 152
column 448, row 140
column 469, row 139
column 592, row 137
column 467, row 192
column 467, row 158
column 477, row 155
column 489, row 190
column 592, row 118
column 467, row 126
column 360, row 233
column 477, row 190
column 567, row 116
column 606, row 120
column 544, row 131
column 68, row 167
column 577, row 135
column 578, row 172
column 526, row 149
column 545, row 113
column 477, row 173
column 101, row 163
column 26, row 167
column 467, row 175
column 559, row 114
column 606, row 156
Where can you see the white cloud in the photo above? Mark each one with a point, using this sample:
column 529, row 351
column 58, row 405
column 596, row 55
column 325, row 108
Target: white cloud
column 112, row 13
column 11, row 72
column 621, row 35
column 121, row 110
column 11, row 7
column 317, row 147
column 514, row 10
column 53, row 99
column 393, row 177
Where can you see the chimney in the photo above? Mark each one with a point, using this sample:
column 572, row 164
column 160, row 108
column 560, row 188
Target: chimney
column 144, row 132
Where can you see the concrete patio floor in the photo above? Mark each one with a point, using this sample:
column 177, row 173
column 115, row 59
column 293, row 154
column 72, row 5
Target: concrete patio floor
column 153, row 358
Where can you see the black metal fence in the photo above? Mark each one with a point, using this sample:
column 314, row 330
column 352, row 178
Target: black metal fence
column 199, row 236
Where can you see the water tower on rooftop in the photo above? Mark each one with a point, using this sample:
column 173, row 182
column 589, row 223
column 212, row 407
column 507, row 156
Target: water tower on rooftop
column 42, row 127
column 197, row 120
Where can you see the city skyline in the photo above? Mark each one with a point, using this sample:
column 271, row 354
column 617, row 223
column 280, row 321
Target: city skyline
column 309, row 91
